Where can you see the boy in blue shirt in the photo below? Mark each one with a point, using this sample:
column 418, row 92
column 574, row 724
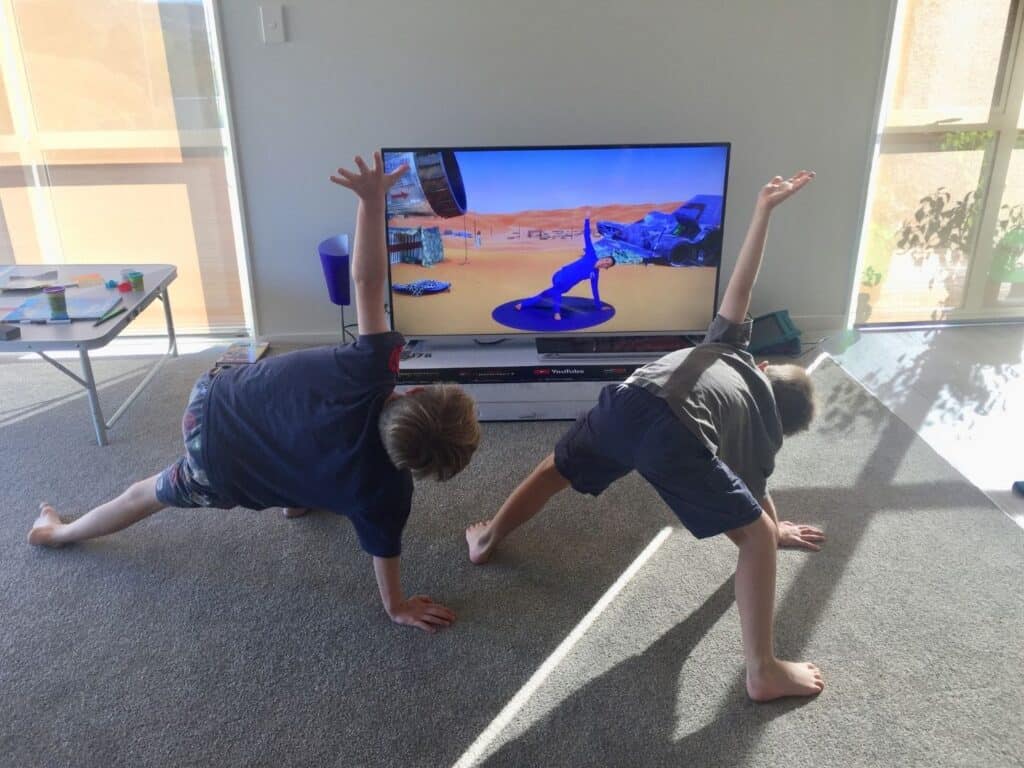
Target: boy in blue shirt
column 318, row 428
column 702, row 426
column 568, row 276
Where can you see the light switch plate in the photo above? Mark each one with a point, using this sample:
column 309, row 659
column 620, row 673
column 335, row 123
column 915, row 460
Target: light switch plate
column 272, row 22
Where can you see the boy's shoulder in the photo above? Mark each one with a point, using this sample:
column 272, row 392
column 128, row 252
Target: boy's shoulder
column 719, row 365
column 377, row 340
column 373, row 358
column 722, row 330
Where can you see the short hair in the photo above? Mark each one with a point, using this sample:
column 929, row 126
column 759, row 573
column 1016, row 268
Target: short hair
column 794, row 396
column 432, row 432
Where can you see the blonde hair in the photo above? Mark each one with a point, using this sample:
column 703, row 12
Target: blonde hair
column 794, row 396
column 432, row 432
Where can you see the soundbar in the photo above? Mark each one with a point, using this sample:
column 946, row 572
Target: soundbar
column 610, row 345
column 518, row 374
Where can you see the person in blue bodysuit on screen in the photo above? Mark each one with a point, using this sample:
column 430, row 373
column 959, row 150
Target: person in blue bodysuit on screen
column 567, row 277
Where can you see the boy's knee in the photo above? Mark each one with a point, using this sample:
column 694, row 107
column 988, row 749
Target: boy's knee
column 549, row 474
column 547, row 464
column 142, row 491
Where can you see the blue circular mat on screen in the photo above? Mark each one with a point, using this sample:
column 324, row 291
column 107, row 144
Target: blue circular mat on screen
column 577, row 313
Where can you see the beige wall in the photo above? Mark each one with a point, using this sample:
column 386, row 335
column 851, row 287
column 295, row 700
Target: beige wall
column 790, row 83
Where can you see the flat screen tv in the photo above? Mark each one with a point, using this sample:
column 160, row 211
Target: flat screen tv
column 494, row 241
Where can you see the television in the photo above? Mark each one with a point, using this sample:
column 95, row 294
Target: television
column 580, row 240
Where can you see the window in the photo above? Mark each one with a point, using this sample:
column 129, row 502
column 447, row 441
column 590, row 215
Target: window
column 114, row 149
column 943, row 236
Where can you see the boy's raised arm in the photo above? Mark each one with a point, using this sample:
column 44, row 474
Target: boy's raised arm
column 370, row 252
column 736, row 301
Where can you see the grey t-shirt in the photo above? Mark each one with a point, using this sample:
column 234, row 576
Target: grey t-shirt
column 719, row 394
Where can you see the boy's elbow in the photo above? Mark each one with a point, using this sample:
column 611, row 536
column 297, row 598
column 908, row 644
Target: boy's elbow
column 368, row 282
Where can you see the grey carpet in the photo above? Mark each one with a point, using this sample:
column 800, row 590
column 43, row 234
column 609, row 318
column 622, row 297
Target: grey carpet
column 241, row 638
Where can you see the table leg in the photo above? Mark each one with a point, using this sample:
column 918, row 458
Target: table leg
column 165, row 297
column 94, row 400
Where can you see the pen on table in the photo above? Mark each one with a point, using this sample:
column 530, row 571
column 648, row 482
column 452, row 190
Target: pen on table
column 110, row 310
column 109, row 315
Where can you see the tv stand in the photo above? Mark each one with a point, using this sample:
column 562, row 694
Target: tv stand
column 514, row 381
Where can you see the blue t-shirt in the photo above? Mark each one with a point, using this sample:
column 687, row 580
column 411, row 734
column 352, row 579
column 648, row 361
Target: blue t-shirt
column 301, row 430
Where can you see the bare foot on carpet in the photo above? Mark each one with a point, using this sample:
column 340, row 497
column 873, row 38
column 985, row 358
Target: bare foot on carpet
column 481, row 543
column 290, row 512
column 42, row 532
column 784, row 678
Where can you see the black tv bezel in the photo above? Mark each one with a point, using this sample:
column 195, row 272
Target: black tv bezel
column 515, row 333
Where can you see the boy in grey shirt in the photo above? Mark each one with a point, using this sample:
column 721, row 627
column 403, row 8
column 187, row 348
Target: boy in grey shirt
column 702, row 426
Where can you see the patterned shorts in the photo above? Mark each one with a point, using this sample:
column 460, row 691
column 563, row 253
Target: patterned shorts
column 184, row 483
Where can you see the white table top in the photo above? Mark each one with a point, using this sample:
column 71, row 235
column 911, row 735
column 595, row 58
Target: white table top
column 82, row 334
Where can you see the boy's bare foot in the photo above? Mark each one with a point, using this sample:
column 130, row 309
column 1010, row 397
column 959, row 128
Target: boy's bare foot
column 784, row 678
column 294, row 511
column 481, row 543
column 43, row 528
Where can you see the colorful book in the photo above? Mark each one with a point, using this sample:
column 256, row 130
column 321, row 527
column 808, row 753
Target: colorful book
column 36, row 282
column 81, row 306
column 243, row 353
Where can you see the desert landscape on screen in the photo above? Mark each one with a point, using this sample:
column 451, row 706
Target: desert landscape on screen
column 500, row 257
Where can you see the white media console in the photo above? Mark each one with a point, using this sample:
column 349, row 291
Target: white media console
column 512, row 381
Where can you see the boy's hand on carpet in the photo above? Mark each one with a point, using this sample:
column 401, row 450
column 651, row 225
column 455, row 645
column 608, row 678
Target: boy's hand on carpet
column 422, row 612
column 800, row 536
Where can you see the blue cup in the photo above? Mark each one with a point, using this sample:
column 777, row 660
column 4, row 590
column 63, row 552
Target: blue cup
column 334, row 259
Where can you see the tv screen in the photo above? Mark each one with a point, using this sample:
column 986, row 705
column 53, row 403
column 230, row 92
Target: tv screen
column 547, row 240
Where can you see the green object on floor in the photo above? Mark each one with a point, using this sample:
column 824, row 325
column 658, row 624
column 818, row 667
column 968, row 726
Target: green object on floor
column 775, row 334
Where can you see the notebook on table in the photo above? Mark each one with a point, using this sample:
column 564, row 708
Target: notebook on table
column 81, row 306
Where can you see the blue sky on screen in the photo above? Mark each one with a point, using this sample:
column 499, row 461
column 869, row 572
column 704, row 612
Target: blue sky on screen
column 507, row 181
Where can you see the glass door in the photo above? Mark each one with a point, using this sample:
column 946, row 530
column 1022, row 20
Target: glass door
column 114, row 149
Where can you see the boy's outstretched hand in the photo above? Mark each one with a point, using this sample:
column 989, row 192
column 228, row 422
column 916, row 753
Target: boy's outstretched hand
column 422, row 612
column 369, row 184
column 778, row 189
column 794, row 535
